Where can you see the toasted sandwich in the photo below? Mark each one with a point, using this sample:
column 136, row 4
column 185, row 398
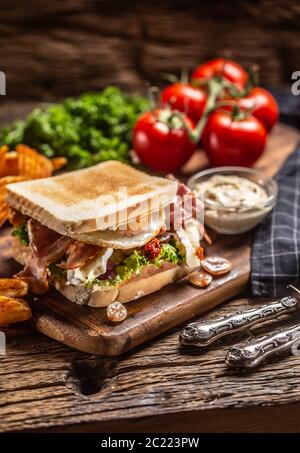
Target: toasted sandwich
column 106, row 233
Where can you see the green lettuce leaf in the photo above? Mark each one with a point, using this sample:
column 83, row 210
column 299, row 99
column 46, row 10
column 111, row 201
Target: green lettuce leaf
column 92, row 128
column 133, row 264
column 21, row 233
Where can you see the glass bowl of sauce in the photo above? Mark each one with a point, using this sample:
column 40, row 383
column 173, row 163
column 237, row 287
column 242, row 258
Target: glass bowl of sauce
column 236, row 199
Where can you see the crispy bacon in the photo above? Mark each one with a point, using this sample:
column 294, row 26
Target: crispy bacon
column 79, row 253
column 47, row 246
column 204, row 234
column 207, row 238
column 185, row 207
column 35, row 276
column 164, row 237
column 16, row 218
column 41, row 238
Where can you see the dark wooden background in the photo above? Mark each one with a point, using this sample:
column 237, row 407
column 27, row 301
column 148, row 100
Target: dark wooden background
column 50, row 49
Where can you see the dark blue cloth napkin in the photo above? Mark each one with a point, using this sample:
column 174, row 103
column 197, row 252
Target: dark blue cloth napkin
column 275, row 260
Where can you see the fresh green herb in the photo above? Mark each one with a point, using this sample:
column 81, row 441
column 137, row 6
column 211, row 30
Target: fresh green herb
column 178, row 246
column 91, row 129
column 131, row 265
column 21, row 233
column 103, row 283
column 168, row 253
column 56, row 271
column 134, row 263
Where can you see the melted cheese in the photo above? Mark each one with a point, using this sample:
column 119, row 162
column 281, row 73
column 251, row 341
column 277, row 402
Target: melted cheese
column 126, row 239
column 189, row 240
column 91, row 270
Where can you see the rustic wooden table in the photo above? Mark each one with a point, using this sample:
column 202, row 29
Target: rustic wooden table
column 45, row 386
column 157, row 387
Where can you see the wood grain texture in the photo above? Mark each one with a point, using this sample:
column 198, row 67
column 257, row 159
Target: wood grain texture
column 160, row 387
column 53, row 49
column 89, row 330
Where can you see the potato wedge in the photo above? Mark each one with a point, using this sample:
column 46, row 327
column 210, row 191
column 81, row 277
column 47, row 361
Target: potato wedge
column 3, row 213
column 31, row 164
column 9, row 180
column 3, row 151
column 13, row 310
column 58, row 162
column 9, row 164
column 3, row 206
column 13, row 287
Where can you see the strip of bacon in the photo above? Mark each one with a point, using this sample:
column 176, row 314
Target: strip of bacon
column 47, row 246
column 35, row 276
column 79, row 254
column 186, row 204
column 186, row 211
column 16, row 218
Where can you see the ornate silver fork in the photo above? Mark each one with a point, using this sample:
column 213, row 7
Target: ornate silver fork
column 204, row 333
column 251, row 353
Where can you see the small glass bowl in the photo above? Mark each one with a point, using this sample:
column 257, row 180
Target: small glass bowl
column 227, row 220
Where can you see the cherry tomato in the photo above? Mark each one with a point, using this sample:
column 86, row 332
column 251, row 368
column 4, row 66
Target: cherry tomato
column 229, row 69
column 152, row 249
column 263, row 106
column 161, row 141
column 233, row 141
column 185, row 98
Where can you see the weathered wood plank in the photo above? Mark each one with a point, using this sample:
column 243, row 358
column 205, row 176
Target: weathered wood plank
column 67, row 47
column 44, row 385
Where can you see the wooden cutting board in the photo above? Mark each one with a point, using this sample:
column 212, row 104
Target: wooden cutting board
column 89, row 330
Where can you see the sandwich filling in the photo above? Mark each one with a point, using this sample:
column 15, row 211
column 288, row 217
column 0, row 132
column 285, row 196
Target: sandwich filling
column 94, row 263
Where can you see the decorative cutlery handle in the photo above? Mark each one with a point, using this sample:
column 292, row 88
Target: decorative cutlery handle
column 206, row 332
column 252, row 353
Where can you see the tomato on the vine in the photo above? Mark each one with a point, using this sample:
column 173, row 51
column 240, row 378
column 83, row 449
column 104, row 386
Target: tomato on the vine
column 262, row 105
column 233, row 139
column 185, row 98
column 229, row 69
column 161, row 140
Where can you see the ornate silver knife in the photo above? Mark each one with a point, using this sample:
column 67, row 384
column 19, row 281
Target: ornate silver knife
column 252, row 353
column 206, row 332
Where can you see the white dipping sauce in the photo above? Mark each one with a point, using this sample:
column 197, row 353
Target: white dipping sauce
column 232, row 204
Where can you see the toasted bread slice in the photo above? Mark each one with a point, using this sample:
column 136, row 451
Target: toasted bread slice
column 131, row 290
column 96, row 198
